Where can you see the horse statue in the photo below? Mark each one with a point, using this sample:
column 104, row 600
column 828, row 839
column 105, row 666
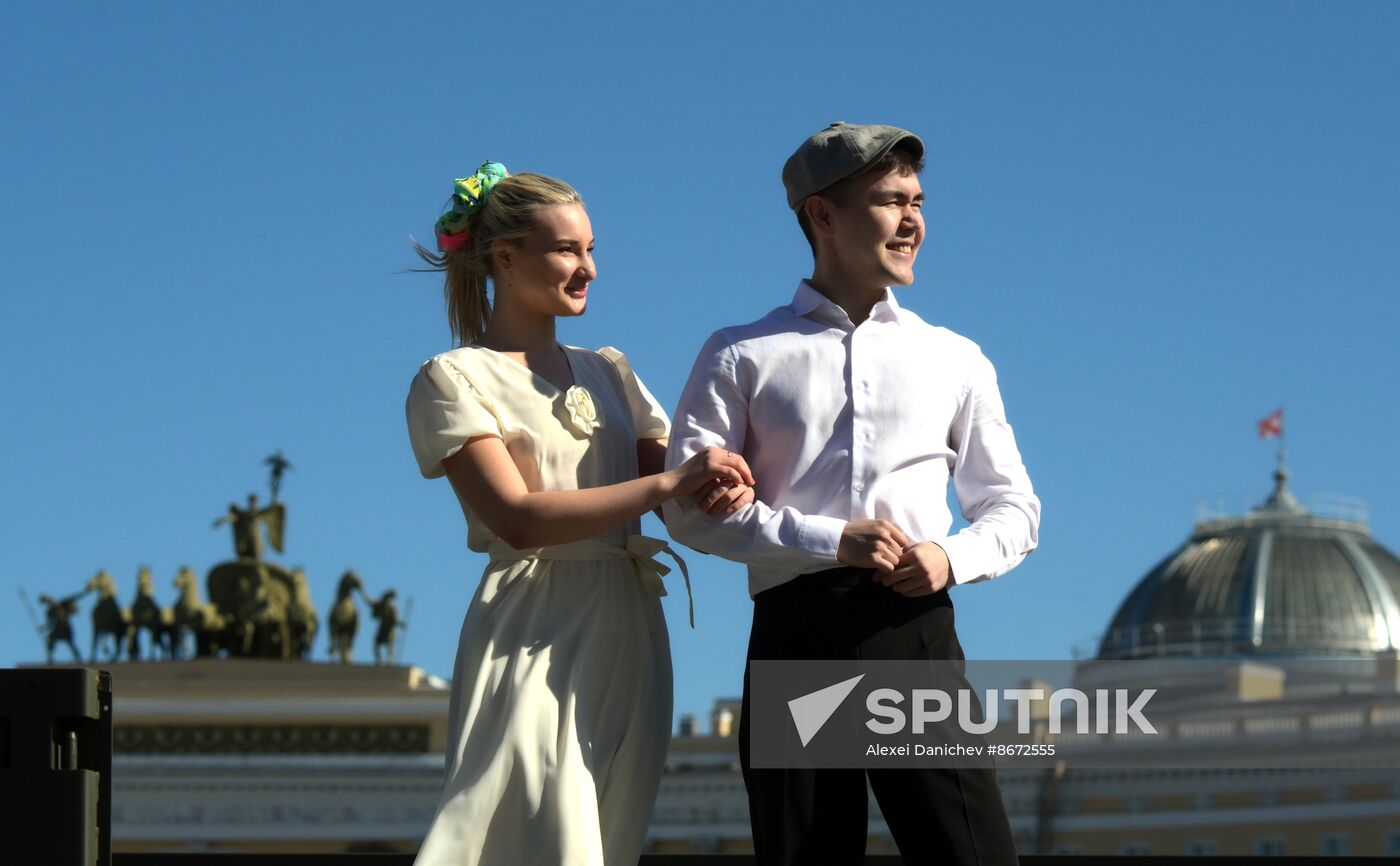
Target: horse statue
column 345, row 617
column 302, row 616
column 109, row 619
column 168, row 635
column 202, row 622
column 146, row 613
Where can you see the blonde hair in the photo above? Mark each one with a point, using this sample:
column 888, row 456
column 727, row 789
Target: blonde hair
column 508, row 215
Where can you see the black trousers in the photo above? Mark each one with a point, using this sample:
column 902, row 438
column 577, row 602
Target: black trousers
column 936, row 815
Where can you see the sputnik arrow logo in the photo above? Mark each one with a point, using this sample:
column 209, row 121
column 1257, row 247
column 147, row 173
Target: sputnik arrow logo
column 811, row 711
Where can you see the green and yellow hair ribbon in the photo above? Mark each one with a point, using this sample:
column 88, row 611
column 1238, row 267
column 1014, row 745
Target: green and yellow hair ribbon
column 469, row 195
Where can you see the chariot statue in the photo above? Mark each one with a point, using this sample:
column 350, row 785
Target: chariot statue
column 255, row 608
column 254, row 596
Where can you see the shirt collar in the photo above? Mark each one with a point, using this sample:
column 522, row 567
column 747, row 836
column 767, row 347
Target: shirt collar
column 807, row 301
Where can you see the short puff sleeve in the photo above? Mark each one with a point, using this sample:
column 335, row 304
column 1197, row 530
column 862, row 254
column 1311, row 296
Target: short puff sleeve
column 649, row 418
column 445, row 410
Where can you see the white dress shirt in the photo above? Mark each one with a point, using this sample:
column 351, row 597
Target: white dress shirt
column 842, row 422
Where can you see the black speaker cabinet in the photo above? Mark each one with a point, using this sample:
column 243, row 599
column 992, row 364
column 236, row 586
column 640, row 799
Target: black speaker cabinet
column 56, row 766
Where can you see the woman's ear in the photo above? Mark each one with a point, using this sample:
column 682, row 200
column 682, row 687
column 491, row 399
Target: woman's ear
column 501, row 255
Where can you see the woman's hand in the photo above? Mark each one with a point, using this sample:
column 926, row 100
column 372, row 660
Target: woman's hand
column 711, row 465
column 722, row 497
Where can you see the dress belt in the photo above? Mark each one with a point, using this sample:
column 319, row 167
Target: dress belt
column 641, row 549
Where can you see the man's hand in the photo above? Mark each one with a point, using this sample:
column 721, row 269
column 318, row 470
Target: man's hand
column 871, row 544
column 922, row 570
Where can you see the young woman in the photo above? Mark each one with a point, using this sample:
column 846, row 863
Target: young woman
column 561, row 696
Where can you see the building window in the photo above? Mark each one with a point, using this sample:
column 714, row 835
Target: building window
column 1336, row 843
column 1270, row 847
column 1202, row 847
column 1135, row 848
column 1392, row 842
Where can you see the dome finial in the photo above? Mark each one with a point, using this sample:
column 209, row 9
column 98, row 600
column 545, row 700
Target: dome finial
column 1282, row 499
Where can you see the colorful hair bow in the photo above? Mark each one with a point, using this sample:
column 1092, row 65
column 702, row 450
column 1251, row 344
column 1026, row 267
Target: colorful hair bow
column 469, row 195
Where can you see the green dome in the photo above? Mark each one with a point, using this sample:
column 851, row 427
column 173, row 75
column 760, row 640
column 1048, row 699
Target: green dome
column 1277, row 581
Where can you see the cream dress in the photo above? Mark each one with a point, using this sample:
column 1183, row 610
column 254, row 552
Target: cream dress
column 561, row 696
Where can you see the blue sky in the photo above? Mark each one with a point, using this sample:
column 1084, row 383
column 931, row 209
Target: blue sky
column 1160, row 221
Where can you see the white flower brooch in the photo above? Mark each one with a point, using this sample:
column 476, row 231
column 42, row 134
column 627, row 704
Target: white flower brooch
column 583, row 415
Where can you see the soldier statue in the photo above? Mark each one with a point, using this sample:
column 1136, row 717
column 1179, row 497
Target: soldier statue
column 387, row 613
column 57, row 616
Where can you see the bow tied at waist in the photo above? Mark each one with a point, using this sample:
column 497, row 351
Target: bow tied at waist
column 641, row 549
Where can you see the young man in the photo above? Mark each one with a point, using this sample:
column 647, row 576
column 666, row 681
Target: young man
column 853, row 414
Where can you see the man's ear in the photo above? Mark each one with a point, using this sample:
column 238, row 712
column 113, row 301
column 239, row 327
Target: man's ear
column 818, row 210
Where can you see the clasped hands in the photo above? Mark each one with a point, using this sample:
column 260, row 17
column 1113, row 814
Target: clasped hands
column 912, row 570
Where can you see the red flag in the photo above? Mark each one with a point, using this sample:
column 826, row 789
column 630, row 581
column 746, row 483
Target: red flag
column 1272, row 425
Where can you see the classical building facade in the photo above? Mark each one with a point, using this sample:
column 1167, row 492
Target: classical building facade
column 261, row 755
column 1271, row 640
column 1270, row 636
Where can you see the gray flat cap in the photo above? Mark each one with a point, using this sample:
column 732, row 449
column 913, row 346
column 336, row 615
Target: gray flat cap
column 839, row 151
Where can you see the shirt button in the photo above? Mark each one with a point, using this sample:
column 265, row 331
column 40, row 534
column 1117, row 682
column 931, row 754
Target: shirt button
column 859, row 486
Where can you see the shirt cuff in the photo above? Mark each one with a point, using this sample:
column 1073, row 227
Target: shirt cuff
column 820, row 535
column 962, row 559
